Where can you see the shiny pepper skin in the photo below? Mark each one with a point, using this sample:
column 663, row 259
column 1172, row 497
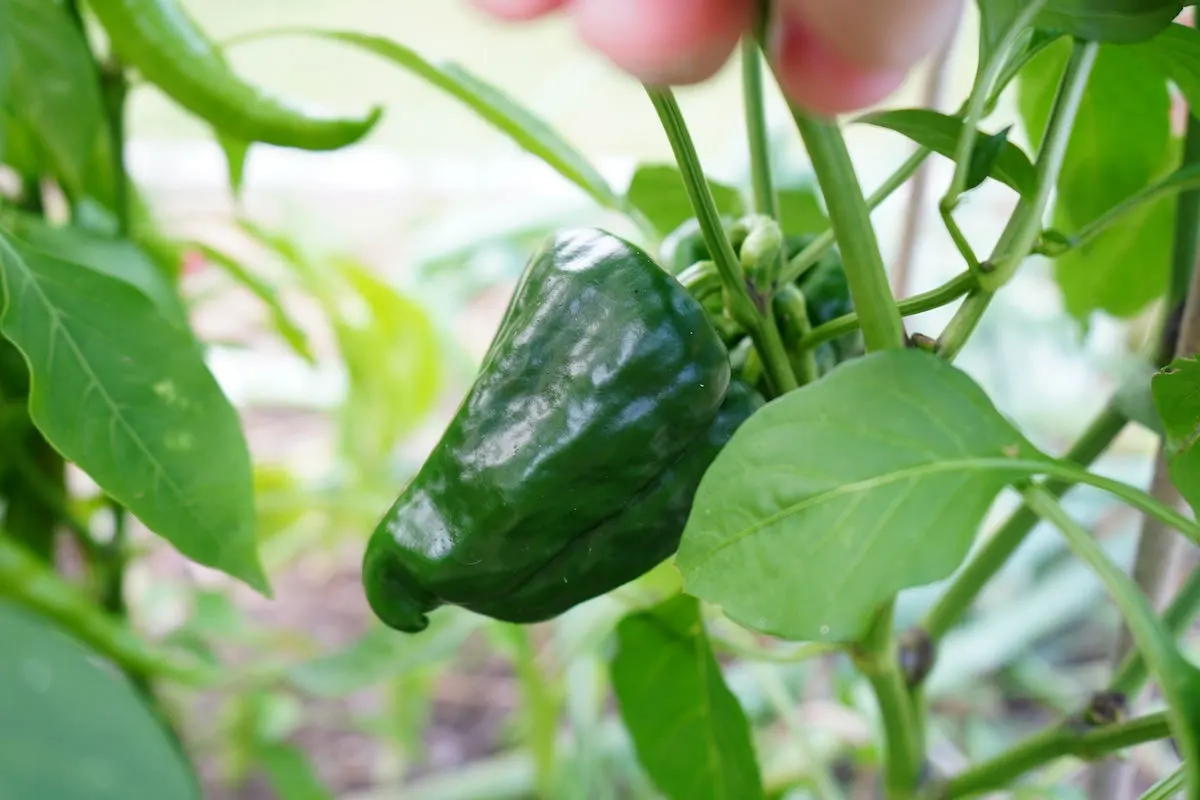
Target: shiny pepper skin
column 605, row 375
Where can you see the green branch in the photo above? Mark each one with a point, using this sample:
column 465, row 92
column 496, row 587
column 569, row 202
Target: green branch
column 765, row 201
column 1073, row 739
column 940, row 296
column 752, row 314
column 850, row 218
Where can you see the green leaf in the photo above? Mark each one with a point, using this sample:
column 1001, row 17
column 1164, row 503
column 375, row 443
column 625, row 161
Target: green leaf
column 800, row 212
column 1176, row 391
column 236, row 151
column 50, row 88
column 1177, row 679
column 287, row 328
column 658, row 191
column 1117, row 21
column 124, row 394
column 522, row 126
column 1174, row 54
column 836, row 496
column 116, row 258
column 994, row 155
column 381, row 654
column 75, row 728
column 1121, row 144
column 690, row 733
column 291, row 774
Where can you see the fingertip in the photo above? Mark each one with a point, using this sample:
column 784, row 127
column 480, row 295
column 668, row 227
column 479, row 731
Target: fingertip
column 518, row 10
column 664, row 42
column 822, row 82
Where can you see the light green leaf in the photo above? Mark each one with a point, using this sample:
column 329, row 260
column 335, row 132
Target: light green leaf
column 75, row 728
column 800, row 212
column 1174, row 54
column 834, row 497
column 1176, row 391
column 1007, row 163
column 1177, row 679
column 1121, row 144
column 382, row 654
column 1118, row 21
column 49, row 88
column 291, row 774
column 125, row 395
column 116, row 258
column 287, row 328
column 658, row 191
column 691, row 735
column 509, row 117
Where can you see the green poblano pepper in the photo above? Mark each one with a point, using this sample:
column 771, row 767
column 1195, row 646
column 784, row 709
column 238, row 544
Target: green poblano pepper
column 602, row 378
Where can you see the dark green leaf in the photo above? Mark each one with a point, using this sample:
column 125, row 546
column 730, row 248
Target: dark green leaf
column 834, row 497
column 116, row 258
column 800, row 212
column 691, row 734
column 1177, row 679
column 125, row 395
column 518, row 123
column 1175, row 54
column 236, row 152
column 1118, row 21
column 49, row 88
column 995, row 18
column 268, row 295
column 1121, row 144
column 658, row 191
column 1176, row 393
column 994, row 155
column 74, row 727
column 382, row 654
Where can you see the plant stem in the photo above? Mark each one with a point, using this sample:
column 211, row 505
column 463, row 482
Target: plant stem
column 1068, row 739
column 940, row 296
column 819, row 246
column 754, row 314
column 112, row 591
column 993, row 555
column 540, row 708
column 765, row 201
column 882, row 325
column 1133, row 673
column 875, row 656
column 1169, row 786
column 1025, row 224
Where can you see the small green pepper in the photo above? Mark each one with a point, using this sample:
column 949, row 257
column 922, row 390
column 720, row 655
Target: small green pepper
column 603, row 375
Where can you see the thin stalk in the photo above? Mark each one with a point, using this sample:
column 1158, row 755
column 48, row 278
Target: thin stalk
column 1132, row 675
column 1025, row 224
column 1062, row 741
column 980, row 93
column 541, row 709
column 765, row 201
column 882, row 325
column 969, row 582
column 1169, row 786
column 940, row 296
column 875, row 656
column 753, row 314
column 806, row 258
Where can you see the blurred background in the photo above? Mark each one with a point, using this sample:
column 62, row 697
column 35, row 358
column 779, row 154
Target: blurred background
column 348, row 297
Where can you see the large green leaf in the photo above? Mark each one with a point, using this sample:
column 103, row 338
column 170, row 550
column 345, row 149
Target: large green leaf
column 691, row 734
column 124, row 393
column 49, row 88
column 526, row 129
column 1175, row 54
column 835, row 496
column 1119, row 21
column 117, row 258
column 658, row 191
column 1120, row 145
column 1176, row 391
column 1178, row 679
column 74, row 728
column 940, row 133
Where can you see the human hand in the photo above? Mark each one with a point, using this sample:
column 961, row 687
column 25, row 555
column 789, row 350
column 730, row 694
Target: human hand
column 831, row 56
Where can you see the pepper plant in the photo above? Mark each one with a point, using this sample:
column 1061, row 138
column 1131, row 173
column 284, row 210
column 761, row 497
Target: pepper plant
column 763, row 440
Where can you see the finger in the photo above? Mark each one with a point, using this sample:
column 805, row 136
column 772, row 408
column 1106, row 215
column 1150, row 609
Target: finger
column 877, row 35
column 821, row 81
column 664, row 41
column 518, row 9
